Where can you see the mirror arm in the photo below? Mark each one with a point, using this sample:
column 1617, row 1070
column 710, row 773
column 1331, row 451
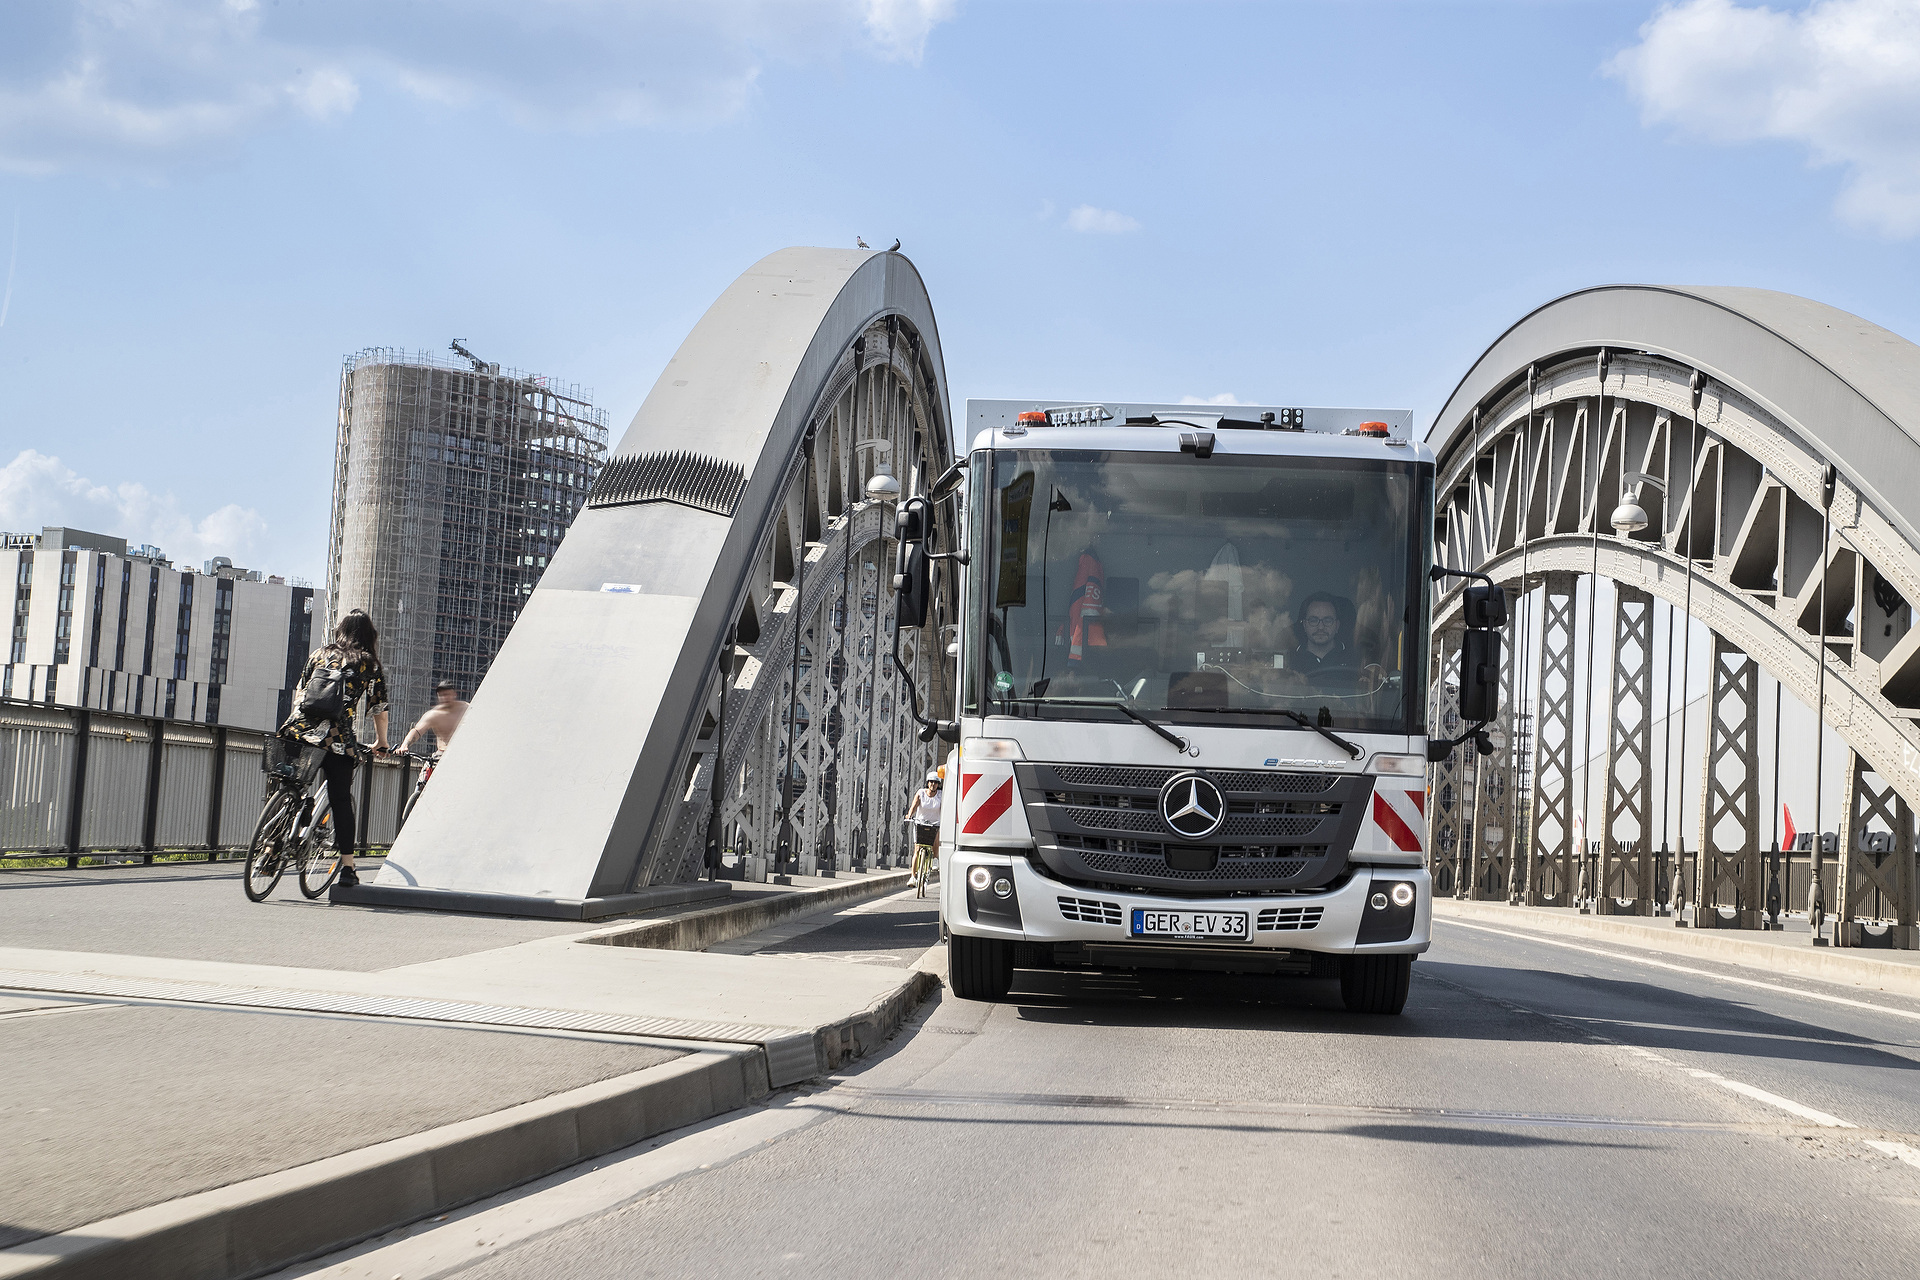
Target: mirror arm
column 1440, row 749
column 1440, row 571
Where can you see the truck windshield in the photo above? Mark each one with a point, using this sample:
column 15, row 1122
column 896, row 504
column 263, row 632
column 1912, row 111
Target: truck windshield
column 1226, row 590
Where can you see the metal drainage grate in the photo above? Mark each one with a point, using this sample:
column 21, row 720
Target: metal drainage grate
column 459, row 1011
column 690, row 479
column 1089, row 911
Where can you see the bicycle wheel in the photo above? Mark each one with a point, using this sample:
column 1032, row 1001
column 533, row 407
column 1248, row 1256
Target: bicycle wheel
column 407, row 812
column 320, row 864
column 267, row 852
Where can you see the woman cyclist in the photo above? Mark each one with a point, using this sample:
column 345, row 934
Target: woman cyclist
column 354, row 653
column 924, row 814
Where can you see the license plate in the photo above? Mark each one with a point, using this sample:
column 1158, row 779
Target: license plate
column 1230, row 925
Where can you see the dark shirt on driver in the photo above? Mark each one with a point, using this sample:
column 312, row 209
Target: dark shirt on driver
column 1303, row 659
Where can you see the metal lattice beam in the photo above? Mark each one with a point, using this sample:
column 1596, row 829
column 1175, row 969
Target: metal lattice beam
column 1626, row 869
column 1550, row 851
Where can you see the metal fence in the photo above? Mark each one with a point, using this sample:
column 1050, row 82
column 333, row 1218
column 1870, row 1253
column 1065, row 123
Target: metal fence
column 75, row 782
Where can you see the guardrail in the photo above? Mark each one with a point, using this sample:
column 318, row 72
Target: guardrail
column 78, row 782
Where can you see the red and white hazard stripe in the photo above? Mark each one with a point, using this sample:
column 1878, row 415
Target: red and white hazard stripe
column 987, row 795
column 1401, row 817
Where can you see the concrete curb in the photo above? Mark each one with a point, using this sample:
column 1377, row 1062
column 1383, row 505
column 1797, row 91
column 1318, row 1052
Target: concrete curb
column 1826, row 964
column 698, row 930
column 263, row 1224
column 866, row 1031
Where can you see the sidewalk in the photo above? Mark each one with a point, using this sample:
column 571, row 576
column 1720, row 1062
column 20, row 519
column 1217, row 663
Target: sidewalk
column 1787, row 951
column 177, row 1092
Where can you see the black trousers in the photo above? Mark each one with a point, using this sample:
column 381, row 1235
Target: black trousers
column 339, row 773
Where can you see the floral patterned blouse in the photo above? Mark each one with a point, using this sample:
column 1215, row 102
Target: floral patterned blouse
column 365, row 678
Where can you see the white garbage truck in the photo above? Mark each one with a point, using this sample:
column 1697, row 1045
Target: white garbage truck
column 1191, row 715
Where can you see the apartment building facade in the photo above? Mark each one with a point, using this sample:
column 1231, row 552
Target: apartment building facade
column 94, row 623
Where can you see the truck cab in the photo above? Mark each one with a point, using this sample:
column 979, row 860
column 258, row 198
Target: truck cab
column 1191, row 686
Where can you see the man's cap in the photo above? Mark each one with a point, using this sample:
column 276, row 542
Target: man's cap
column 932, row 776
column 446, row 685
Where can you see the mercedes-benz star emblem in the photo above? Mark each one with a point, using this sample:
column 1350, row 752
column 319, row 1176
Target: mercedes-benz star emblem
column 1192, row 806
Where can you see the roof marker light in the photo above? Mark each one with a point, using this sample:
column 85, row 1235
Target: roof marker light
column 1375, row 429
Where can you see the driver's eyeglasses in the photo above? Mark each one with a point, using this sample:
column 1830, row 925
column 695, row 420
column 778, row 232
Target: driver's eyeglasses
column 1320, row 622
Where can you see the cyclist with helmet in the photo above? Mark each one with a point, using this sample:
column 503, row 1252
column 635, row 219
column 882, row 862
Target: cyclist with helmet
column 924, row 814
column 337, row 676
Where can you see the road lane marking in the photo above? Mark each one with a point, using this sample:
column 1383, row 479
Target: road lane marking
column 1698, row 973
column 1898, row 1150
column 1773, row 1100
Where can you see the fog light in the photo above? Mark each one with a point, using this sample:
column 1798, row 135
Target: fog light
column 1403, row 895
column 1378, row 902
column 979, row 878
column 1003, row 888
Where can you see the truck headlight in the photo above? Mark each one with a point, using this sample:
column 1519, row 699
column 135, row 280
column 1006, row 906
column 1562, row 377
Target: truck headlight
column 990, row 749
column 979, row 878
column 1403, row 766
column 1402, row 894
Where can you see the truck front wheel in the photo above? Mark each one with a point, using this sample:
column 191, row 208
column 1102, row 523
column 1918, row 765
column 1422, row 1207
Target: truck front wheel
column 979, row 968
column 1375, row 984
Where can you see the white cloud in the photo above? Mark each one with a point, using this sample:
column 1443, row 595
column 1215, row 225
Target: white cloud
column 1086, row 218
column 1225, row 397
column 138, row 83
column 900, row 27
column 1840, row 77
column 38, row 490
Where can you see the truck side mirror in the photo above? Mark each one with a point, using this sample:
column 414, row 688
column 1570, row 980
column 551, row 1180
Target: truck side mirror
column 1480, row 673
column 912, row 586
column 1484, row 606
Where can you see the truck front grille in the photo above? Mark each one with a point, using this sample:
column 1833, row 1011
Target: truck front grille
column 1100, row 825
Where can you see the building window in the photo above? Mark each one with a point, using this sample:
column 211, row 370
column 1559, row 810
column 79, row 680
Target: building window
column 53, row 683
column 99, row 608
column 183, row 632
column 171, row 691
column 63, row 615
column 126, row 591
column 22, row 605
column 153, row 617
column 222, row 630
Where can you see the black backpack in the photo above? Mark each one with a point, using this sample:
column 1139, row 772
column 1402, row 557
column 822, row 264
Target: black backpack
column 325, row 697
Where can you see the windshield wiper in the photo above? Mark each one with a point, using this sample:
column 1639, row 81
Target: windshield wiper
column 1350, row 748
column 1125, row 710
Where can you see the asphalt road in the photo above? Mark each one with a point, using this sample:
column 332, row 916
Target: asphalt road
column 1539, row 1109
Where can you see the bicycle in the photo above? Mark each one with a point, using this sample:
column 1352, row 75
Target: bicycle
column 926, row 867
column 295, row 826
column 427, row 765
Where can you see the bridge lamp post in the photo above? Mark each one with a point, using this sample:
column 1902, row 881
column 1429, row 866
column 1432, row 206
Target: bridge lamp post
column 883, row 488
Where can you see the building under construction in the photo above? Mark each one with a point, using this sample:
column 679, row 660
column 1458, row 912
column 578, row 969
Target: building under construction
column 454, row 480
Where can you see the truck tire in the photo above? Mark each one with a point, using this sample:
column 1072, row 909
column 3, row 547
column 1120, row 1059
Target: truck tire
column 979, row 968
column 1375, row 984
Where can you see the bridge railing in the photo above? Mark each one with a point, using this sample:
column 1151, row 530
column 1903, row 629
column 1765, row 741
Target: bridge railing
column 76, row 782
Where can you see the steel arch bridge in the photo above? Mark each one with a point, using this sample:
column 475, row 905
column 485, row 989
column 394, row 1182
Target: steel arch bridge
column 1720, row 409
column 718, row 605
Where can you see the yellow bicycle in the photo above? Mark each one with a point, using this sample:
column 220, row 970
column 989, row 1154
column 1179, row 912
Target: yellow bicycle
column 926, row 863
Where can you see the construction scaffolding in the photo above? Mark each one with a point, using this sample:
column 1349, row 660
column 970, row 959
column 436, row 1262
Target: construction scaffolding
column 454, row 482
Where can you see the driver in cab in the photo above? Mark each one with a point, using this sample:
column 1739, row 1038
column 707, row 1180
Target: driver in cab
column 1322, row 646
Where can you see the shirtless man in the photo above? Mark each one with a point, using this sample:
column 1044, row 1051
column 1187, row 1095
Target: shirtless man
column 442, row 719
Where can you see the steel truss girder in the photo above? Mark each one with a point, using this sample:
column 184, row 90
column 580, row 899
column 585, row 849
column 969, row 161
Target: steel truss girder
column 1626, row 815
column 1727, row 863
column 1876, row 867
column 1550, row 853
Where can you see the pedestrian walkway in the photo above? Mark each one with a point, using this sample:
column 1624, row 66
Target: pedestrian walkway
column 1789, row 950
column 172, row 1063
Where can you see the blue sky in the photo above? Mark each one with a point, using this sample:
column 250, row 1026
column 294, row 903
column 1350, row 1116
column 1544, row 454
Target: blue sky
column 216, row 200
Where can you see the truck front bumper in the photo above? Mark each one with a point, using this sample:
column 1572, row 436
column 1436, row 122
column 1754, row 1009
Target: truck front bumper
column 1342, row 920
